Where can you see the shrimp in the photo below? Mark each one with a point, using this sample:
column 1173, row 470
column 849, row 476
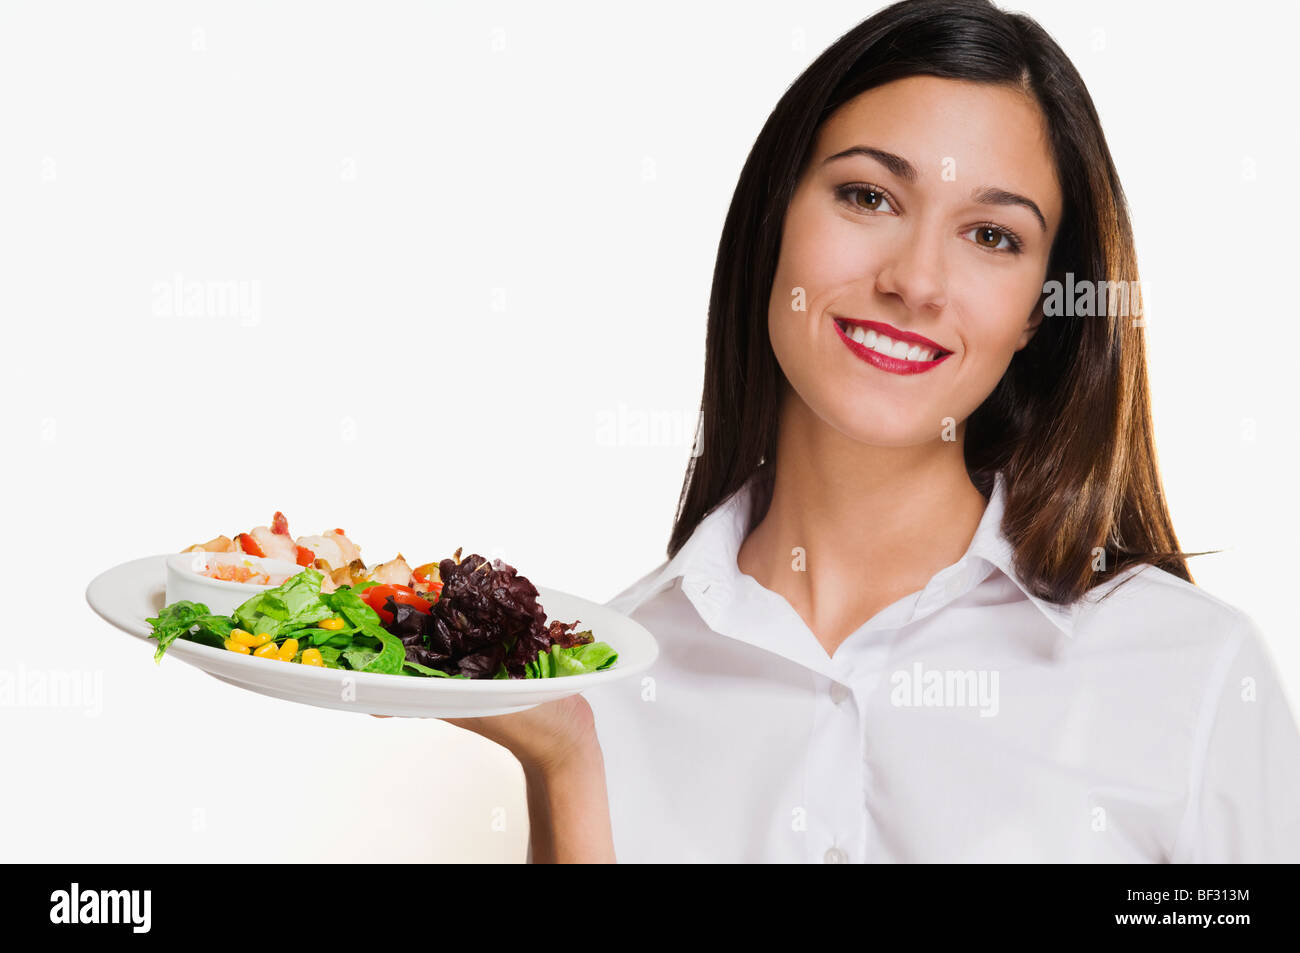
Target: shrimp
column 324, row 550
column 395, row 572
column 330, row 552
column 351, row 551
column 274, row 545
column 332, row 547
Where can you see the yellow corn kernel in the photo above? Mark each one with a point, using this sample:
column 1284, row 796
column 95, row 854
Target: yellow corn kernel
column 237, row 647
column 248, row 638
column 266, row 651
column 333, row 624
column 312, row 657
column 288, row 649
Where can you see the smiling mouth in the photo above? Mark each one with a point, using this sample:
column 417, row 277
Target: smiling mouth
column 896, row 348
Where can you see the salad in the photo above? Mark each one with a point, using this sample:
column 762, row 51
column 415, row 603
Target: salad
column 460, row 618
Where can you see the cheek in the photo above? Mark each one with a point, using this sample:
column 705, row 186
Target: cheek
column 825, row 253
column 820, row 250
column 989, row 345
column 993, row 334
column 819, row 262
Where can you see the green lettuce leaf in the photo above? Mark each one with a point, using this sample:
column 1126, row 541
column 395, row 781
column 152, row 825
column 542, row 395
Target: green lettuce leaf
column 330, row 656
column 579, row 660
column 389, row 659
column 185, row 617
column 416, row 669
column 294, row 605
column 359, row 657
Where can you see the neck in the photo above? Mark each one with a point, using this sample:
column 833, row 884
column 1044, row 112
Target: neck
column 873, row 523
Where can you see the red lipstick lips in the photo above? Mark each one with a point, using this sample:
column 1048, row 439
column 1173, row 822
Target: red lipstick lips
column 895, row 365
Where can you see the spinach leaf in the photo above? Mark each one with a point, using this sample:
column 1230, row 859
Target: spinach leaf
column 344, row 601
column 180, row 618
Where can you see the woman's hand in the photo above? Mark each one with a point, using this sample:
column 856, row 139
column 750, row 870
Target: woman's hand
column 564, row 769
column 544, row 737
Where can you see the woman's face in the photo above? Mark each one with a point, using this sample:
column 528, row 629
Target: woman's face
column 932, row 232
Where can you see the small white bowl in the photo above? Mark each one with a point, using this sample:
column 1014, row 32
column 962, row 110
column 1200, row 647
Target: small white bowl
column 185, row 579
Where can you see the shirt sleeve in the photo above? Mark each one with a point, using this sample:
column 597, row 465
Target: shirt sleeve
column 1245, row 792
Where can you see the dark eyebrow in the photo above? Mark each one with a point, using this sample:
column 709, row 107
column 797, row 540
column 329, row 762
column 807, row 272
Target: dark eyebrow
column 897, row 165
column 992, row 196
column 900, row 167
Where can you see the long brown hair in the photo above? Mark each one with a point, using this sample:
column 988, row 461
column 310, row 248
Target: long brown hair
column 1069, row 424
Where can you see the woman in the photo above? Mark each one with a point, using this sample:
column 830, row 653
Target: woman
column 924, row 601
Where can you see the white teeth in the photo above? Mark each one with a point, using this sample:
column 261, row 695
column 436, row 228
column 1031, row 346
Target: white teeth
column 875, row 341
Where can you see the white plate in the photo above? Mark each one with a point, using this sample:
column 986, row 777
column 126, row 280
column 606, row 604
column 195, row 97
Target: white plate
column 128, row 594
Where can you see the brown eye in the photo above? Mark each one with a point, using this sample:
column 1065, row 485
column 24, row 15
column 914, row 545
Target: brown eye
column 993, row 237
column 865, row 198
column 872, row 199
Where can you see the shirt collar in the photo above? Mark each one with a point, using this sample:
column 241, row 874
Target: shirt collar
column 708, row 558
column 992, row 545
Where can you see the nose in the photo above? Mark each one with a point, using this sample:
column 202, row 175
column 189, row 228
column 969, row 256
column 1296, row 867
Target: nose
column 913, row 270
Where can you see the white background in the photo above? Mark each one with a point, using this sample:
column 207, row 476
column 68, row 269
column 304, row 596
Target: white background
column 481, row 238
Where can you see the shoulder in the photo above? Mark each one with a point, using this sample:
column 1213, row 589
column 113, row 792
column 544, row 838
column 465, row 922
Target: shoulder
column 1146, row 608
column 1146, row 594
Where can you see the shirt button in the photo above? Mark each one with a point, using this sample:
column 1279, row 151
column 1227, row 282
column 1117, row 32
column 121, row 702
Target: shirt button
column 836, row 856
column 839, row 693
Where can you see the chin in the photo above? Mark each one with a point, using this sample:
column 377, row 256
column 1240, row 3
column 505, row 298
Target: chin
column 871, row 422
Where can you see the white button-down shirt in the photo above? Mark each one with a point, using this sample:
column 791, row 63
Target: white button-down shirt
column 969, row 721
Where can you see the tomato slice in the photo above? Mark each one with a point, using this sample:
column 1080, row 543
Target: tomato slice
column 248, row 545
column 305, row 556
column 377, row 597
column 279, row 524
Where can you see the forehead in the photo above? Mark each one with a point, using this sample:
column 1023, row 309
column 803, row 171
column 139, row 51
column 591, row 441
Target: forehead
column 989, row 135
